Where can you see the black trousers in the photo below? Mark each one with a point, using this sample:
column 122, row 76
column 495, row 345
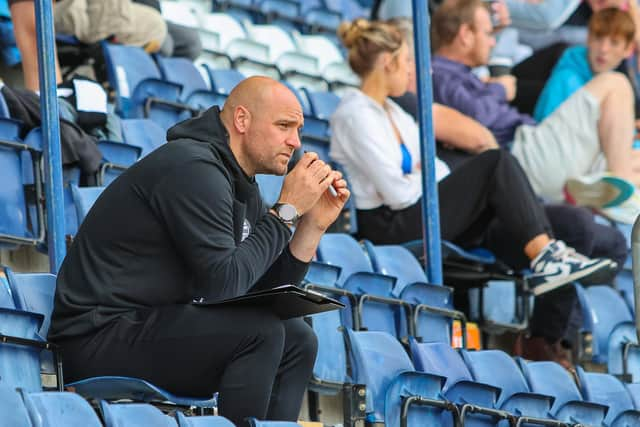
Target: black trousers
column 486, row 188
column 258, row 363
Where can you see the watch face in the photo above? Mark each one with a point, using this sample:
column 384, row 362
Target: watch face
column 287, row 212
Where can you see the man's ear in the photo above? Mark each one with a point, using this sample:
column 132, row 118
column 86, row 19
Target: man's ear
column 465, row 35
column 631, row 46
column 241, row 119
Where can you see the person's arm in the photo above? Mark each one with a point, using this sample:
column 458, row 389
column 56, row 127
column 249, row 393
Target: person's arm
column 196, row 205
column 361, row 135
column 485, row 107
column 546, row 15
column 456, row 130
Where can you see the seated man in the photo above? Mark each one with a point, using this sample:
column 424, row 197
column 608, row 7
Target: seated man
column 590, row 133
column 187, row 222
column 610, row 41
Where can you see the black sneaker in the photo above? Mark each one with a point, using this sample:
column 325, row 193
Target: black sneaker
column 557, row 265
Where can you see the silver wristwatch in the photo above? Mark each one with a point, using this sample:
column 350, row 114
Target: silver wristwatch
column 286, row 213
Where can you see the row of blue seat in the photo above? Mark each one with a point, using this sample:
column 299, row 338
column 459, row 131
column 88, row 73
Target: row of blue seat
column 66, row 409
column 482, row 388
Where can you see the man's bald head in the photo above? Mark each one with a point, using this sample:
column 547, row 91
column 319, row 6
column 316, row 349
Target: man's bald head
column 263, row 118
column 257, row 94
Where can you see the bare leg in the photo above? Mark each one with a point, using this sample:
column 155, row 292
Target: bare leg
column 617, row 125
column 536, row 245
column 24, row 27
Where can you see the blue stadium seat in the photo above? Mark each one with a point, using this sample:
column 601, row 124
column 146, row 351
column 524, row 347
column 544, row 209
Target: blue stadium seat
column 411, row 286
column 35, row 293
column 379, row 361
column 18, row 161
column 323, row 104
column 20, row 353
column 253, row 422
column 134, row 415
column 496, row 368
column 476, row 400
column 223, row 81
column 350, row 9
column 60, row 409
column 552, row 379
column 143, row 133
column 195, row 91
column 14, row 413
column 634, row 392
column 377, row 309
column 270, row 186
column 607, row 390
column 116, row 158
column 84, row 198
column 318, row 18
column 614, row 334
column 140, row 90
column 298, row 68
column 202, row 421
column 330, row 368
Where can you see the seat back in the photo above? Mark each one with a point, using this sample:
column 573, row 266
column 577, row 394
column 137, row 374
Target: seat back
column 440, row 359
column 134, row 415
column 183, row 72
column 144, row 133
column 223, row 81
column 394, row 260
column 180, row 13
column 253, row 422
column 606, row 390
column 496, row 368
column 323, row 49
column 551, row 379
column 270, row 187
column 316, row 145
column 84, row 198
column 344, row 251
column 14, row 220
column 202, row 421
column 226, row 26
column 19, row 365
column 14, row 413
column 34, row 292
column 634, row 392
column 607, row 310
column 376, row 358
column 273, row 36
column 323, row 104
column 60, row 409
column 127, row 67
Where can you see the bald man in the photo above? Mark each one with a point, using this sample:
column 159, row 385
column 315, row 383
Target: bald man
column 187, row 223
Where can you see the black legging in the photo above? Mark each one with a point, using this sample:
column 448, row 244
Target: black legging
column 489, row 186
column 258, row 363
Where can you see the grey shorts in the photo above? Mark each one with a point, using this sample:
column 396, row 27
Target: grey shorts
column 564, row 145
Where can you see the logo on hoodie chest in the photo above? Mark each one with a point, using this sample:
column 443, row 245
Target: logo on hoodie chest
column 246, row 229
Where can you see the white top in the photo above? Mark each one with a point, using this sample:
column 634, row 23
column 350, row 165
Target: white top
column 364, row 143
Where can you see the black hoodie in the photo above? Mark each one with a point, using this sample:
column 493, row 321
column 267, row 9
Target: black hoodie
column 183, row 223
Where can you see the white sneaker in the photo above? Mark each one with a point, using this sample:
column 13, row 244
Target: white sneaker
column 600, row 190
column 626, row 212
column 557, row 265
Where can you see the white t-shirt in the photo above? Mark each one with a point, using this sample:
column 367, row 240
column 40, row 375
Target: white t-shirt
column 364, row 143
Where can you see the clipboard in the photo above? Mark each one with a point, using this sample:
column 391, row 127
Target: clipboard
column 286, row 301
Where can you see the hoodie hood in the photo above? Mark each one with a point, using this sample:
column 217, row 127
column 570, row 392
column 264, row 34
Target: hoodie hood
column 208, row 128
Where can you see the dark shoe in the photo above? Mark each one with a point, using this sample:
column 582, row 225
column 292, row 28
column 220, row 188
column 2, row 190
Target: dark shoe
column 539, row 349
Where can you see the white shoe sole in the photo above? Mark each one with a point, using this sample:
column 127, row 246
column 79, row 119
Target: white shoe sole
column 564, row 280
column 597, row 194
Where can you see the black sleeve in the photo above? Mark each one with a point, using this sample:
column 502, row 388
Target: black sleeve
column 196, row 205
column 287, row 270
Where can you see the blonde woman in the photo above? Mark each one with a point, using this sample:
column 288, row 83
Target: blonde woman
column 377, row 143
